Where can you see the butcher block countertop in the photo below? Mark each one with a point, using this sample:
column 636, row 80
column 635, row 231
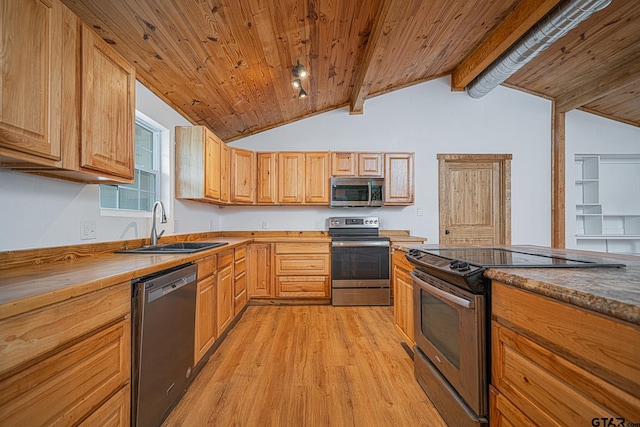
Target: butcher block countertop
column 611, row 291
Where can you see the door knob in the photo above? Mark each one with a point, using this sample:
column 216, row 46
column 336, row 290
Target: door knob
column 447, row 232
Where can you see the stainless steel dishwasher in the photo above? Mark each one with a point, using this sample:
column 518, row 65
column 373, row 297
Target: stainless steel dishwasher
column 163, row 318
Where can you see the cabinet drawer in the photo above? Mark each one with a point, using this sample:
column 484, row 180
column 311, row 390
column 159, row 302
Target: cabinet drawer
column 316, row 264
column 240, row 252
column 207, row 266
column 302, row 248
column 240, row 267
column 574, row 333
column 240, row 284
column 68, row 385
column 35, row 333
column 240, row 301
column 302, row 286
column 114, row 412
column 225, row 259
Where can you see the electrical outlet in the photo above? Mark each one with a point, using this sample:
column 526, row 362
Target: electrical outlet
column 210, row 225
column 420, row 212
column 175, row 225
column 88, row 229
column 265, row 225
column 317, row 224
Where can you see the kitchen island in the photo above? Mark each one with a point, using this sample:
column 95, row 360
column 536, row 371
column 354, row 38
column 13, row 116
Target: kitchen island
column 564, row 341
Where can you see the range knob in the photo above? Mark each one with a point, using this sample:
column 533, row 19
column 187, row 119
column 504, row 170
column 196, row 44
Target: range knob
column 454, row 264
column 463, row 266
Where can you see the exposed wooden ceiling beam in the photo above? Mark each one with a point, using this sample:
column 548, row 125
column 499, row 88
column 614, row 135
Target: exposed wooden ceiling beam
column 601, row 82
column 515, row 25
column 376, row 46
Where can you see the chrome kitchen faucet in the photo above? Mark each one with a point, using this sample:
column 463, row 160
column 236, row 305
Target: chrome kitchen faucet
column 153, row 239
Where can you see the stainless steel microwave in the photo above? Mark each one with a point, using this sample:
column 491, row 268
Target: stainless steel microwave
column 357, row 192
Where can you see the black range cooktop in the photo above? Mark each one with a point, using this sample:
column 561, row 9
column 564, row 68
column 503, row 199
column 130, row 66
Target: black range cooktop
column 508, row 258
column 465, row 266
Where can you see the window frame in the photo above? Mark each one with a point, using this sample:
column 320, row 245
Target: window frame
column 156, row 171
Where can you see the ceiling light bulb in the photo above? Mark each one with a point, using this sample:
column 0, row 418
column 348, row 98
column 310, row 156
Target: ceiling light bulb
column 296, row 83
column 302, row 72
column 302, row 93
column 299, row 71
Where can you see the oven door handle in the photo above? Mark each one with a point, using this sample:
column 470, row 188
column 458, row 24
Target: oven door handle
column 358, row 244
column 439, row 293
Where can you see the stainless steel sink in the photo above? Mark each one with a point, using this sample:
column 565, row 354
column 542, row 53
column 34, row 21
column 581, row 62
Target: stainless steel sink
column 173, row 248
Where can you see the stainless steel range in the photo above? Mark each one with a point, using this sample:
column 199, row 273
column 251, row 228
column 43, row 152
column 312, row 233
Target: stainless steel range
column 451, row 323
column 359, row 262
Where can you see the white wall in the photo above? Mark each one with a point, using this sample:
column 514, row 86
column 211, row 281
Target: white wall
column 426, row 119
column 589, row 134
column 44, row 212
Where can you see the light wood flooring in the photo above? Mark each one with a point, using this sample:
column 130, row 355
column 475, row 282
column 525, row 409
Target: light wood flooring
column 308, row 366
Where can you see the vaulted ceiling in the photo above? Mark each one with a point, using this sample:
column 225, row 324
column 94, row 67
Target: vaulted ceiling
column 227, row 64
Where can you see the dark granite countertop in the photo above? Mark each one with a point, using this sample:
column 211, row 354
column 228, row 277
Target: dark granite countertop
column 611, row 291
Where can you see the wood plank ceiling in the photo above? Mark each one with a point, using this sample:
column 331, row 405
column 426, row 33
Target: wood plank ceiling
column 227, row 64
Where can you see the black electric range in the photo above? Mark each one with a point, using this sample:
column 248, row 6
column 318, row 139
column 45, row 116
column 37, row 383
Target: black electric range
column 465, row 266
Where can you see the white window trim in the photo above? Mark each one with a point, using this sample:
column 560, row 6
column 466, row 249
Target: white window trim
column 161, row 190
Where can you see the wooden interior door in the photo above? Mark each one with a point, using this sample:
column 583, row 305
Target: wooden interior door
column 475, row 199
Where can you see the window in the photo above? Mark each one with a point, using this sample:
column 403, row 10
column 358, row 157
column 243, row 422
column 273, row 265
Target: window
column 143, row 193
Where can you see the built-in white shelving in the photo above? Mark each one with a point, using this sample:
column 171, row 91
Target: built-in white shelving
column 608, row 203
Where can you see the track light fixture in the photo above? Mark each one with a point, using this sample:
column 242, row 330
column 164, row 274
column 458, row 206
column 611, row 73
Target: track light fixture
column 299, row 73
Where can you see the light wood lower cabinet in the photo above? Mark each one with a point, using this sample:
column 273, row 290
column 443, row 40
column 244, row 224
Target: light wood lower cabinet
column 225, row 300
column 557, row 364
column 206, row 327
column 67, row 361
column 403, row 297
column 302, row 270
column 260, row 276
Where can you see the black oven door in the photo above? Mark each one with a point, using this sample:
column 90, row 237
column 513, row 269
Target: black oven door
column 360, row 264
column 450, row 332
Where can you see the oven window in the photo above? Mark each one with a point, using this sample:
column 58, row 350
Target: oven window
column 440, row 325
column 360, row 263
column 351, row 193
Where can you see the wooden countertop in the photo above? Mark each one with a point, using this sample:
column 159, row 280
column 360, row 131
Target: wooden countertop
column 611, row 291
column 31, row 279
column 27, row 288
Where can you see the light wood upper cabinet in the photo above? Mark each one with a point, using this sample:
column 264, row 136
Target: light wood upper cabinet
column 108, row 109
column 212, row 166
column 31, row 42
column 370, row 164
column 225, row 164
column 317, row 178
column 343, row 164
column 267, row 178
column 291, row 175
column 399, row 180
column 199, row 164
column 243, row 175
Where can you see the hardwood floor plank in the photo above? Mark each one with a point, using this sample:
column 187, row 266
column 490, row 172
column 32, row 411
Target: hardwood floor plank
column 308, row 366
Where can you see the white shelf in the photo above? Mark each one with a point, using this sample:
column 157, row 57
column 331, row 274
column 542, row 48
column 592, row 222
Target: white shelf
column 608, row 202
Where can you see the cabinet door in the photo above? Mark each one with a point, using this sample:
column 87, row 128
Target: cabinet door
column 267, row 178
column 403, row 303
column 225, row 163
column 259, row 272
column 290, row 177
column 31, row 42
column 206, row 328
column 243, row 165
column 225, row 300
column 316, row 178
column 398, row 181
column 108, row 109
column 370, row 164
column 343, row 164
column 212, row 166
